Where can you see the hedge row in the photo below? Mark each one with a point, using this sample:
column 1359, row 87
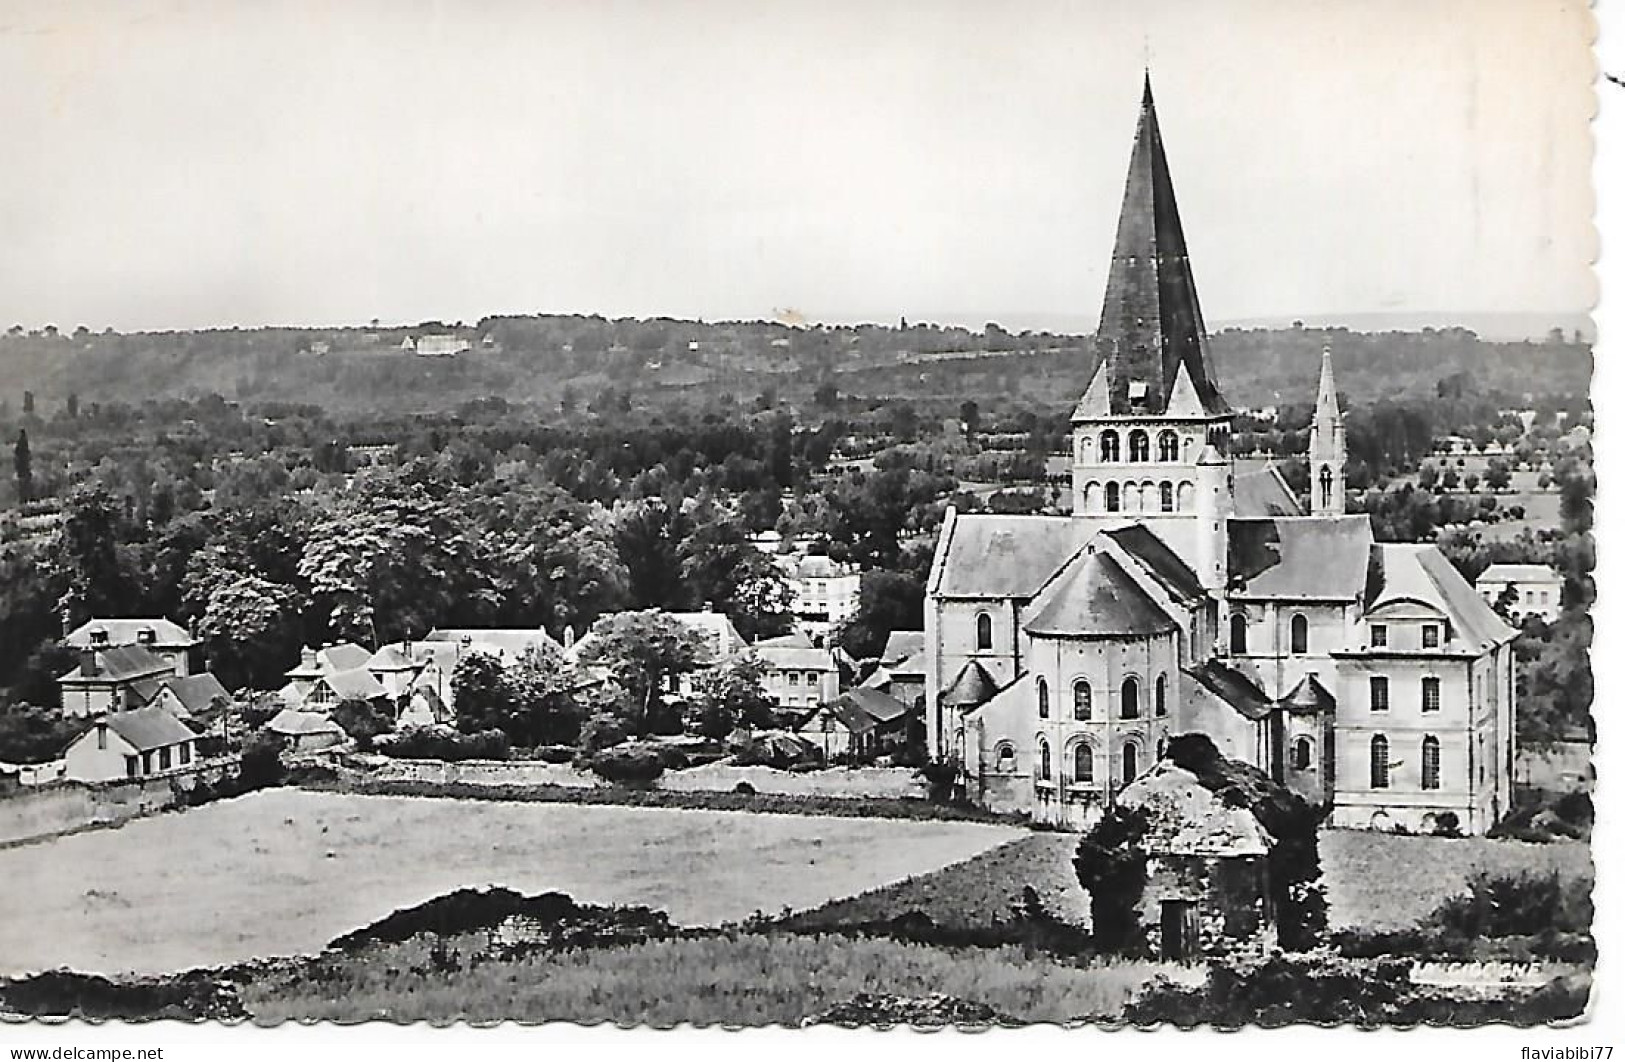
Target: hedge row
column 704, row 800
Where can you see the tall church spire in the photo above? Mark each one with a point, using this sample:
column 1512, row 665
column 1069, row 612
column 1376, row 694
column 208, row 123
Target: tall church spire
column 1151, row 323
column 1327, row 448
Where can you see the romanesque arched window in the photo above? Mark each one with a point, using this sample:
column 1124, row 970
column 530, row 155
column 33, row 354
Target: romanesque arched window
column 1043, row 760
column 1238, row 634
column 1043, row 699
column 1166, row 496
column 1325, row 486
column 1109, row 445
column 1083, row 763
column 1300, row 633
column 1083, row 701
column 1162, row 695
column 1430, row 762
column 1131, row 761
column 1139, row 445
column 1168, row 446
column 1004, row 758
column 984, row 631
column 1379, row 762
column 1303, row 754
column 1114, row 498
column 1130, row 708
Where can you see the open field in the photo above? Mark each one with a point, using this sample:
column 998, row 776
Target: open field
column 285, row 871
column 1382, row 881
column 747, row 979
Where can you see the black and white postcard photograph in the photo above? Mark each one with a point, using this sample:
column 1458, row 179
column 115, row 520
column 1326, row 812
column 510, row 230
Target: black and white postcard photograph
column 818, row 515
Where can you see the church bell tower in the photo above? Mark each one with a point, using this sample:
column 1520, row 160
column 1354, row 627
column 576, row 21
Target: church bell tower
column 1328, row 451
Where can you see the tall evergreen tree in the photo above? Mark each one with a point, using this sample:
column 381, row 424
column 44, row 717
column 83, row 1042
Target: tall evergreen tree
column 23, row 461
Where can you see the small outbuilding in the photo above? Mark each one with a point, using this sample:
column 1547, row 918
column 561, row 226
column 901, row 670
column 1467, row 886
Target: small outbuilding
column 305, row 731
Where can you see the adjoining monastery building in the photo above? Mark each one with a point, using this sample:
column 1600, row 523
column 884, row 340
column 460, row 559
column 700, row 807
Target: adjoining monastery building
column 1190, row 592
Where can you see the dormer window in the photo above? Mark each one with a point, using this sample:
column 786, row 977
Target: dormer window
column 146, row 636
column 1430, row 636
column 1379, row 635
column 1138, row 392
column 98, row 637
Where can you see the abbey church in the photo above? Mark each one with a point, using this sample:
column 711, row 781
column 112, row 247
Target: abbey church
column 1190, row 591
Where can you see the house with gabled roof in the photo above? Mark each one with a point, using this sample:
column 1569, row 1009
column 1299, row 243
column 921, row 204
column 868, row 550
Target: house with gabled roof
column 1190, row 591
column 116, row 679
column 136, row 744
column 191, row 696
column 162, row 637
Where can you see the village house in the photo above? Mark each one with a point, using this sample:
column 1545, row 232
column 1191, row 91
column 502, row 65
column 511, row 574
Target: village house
column 116, row 679
column 164, row 638
column 860, row 723
column 798, row 674
column 134, row 744
column 305, row 731
column 824, row 592
column 1529, row 590
column 1190, row 591
column 191, row 697
column 901, row 672
column 315, row 663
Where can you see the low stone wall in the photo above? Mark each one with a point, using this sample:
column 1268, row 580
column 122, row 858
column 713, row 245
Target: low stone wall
column 889, row 782
column 36, row 812
column 469, row 772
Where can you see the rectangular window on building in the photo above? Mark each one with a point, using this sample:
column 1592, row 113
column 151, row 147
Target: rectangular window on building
column 1430, row 695
column 1379, row 635
column 1430, row 636
column 101, row 739
column 146, row 763
column 1379, row 693
column 164, row 758
column 186, row 755
column 795, row 678
column 129, row 766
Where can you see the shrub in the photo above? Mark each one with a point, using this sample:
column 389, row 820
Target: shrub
column 441, row 742
column 940, row 777
column 554, row 753
column 1527, row 904
column 746, row 788
column 628, row 765
column 598, row 733
column 1448, row 824
column 1111, row 868
column 362, row 721
column 262, row 761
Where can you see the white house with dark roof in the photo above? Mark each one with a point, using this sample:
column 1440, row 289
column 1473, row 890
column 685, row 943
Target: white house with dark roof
column 1190, row 592
column 116, row 679
column 136, row 744
column 1529, row 589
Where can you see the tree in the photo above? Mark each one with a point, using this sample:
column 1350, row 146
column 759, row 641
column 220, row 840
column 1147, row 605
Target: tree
column 1498, row 476
column 35, row 735
column 730, row 694
column 73, row 405
column 86, row 557
column 887, row 601
column 28, row 403
column 648, row 535
column 249, row 627
column 362, row 721
column 1452, row 479
column 646, row 652
column 23, row 462
column 970, row 414
column 1470, row 481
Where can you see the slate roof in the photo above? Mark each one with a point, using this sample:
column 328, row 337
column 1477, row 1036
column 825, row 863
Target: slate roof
column 1093, row 597
column 797, row 639
column 1164, row 565
column 127, row 631
column 294, row 723
column 1419, row 572
column 794, row 657
column 1231, row 687
column 1150, row 321
column 882, row 707
column 971, row 687
column 123, row 663
column 991, row 556
column 510, row 641
column 1262, row 491
column 149, row 728
column 1519, row 573
column 1309, row 697
column 721, row 638
column 197, row 693
column 355, row 684
column 394, row 658
column 1320, row 558
column 901, row 645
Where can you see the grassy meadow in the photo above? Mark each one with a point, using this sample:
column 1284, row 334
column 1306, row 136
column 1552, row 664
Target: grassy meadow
column 284, row 871
column 735, row 979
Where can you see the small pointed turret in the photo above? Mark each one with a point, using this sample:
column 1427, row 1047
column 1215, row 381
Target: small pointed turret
column 1327, row 448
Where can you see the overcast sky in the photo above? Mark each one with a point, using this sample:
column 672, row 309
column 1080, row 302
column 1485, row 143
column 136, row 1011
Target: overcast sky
column 172, row 165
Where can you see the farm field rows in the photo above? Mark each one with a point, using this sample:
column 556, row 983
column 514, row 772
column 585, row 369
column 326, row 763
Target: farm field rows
column 285, row 871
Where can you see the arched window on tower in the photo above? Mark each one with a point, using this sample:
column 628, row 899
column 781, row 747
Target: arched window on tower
column 1109, row 446
column 1114, row 498
column 1139, row 445
column 1166, row 496
column 1379, row 762
column 1430, row 762
column 1131, row 762
column 1130, row 708
column 1168, row 446
column 1161, row 701
column 1043, row 760
column 1043, row 699
column 984, row 631
column 1303, row 754
column 1083, row 701
column 1238, row 634
column 1325, row 486
column 1300, row 634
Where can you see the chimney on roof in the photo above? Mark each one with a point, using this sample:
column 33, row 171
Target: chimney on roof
column 89, row 666
column 569, row 636
column 706, row 607
column 307, row 657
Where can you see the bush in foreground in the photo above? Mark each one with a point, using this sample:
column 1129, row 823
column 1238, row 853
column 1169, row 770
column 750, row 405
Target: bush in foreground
column 443, row 743
column 628, row 765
